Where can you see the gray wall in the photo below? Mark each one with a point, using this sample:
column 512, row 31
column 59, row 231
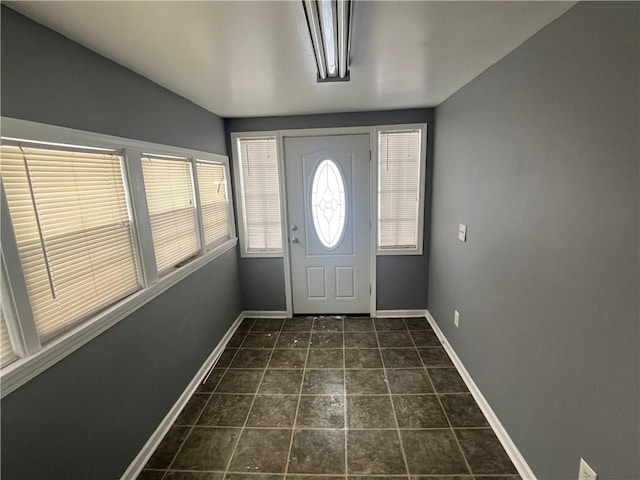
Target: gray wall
column 539, row 157
column 88, row 416
column 402, row 281
column 48, row 78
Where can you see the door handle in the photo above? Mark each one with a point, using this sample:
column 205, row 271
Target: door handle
column 294, row 239
column 294, row 227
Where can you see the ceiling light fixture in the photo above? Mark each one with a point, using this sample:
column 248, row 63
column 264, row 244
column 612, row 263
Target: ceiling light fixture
column 329, row 23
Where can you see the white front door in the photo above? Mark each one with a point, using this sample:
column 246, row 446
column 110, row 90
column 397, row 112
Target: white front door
column 327, row 182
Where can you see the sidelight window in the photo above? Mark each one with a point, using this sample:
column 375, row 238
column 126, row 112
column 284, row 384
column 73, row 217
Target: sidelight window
column 258, row 181
column 401, row 165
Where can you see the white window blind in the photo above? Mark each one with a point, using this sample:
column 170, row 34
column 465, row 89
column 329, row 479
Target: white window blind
column 6, row 352
column 212, row 188
column 74, row 234
column 260, row 193
column 398, row 189
column 172, row 212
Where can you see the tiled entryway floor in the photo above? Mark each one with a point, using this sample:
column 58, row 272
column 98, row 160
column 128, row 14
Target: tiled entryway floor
column 331, row 398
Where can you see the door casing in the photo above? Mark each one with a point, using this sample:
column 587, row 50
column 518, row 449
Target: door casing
column 352, row 156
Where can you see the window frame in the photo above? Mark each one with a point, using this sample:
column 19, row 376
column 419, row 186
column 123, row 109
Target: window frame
column 36, row 356
column 239, row 193
column 17, row 276
column 229, row 207
column 422, row 127
column 189, row 161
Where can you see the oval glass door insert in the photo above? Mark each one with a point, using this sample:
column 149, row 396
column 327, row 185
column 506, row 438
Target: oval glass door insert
column 328, row 203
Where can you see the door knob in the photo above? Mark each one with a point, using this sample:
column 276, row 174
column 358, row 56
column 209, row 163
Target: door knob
column 294, row 227
column 294, row 239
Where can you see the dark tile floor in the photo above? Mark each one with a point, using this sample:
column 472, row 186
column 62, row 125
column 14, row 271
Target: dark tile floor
column 331, row 398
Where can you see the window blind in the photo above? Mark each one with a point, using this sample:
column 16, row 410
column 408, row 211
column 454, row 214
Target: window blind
column 212, row 188
column 398, row 189
column 260, row 194
column 72, row 226
column 6, row 352
column 172, row 213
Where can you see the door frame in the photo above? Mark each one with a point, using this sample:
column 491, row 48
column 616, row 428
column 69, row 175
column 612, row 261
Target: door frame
column 373, row 202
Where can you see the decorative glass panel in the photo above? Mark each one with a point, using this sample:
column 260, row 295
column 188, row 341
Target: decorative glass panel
column 328, row 203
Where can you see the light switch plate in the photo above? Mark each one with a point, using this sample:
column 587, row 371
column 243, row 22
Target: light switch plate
column 586, row 472
column 456, row 318
column 462, row 233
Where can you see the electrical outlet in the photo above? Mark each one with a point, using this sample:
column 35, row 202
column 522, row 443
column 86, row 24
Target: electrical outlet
column 586, row 472
column 456, row 319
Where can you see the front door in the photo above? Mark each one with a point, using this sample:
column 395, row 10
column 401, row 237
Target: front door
column 327, row 182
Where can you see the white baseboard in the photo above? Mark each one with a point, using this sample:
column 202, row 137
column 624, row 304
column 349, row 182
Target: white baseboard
column 265, row 313
column 400, row 313
column 143, row 456
column 514, row 454
column 378, row 313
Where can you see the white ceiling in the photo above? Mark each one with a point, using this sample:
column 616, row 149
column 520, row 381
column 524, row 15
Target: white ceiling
column 243, row 59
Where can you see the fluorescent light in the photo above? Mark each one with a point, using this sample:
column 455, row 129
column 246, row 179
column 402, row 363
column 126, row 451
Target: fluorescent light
column 343, row 37
column 329, row 23
column 316, row 37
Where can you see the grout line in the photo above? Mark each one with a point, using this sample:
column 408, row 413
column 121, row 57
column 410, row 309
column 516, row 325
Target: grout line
column 465, row 476
column 335, row 368
column 344, row 400
column 232, row 427
column 333, row 475
column 330, row 394
column 255, row 394
column 295, row 417
column 393, row 408
column 466, row 462
column 357, row 475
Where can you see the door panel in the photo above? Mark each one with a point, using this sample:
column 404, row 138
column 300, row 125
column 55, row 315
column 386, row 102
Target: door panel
column 345, row 282
column 316, row 282
column 328, row 208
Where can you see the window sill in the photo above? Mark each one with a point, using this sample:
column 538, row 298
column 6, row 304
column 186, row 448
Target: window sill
column 22, row 370
column 403, row 251
column 261, row 254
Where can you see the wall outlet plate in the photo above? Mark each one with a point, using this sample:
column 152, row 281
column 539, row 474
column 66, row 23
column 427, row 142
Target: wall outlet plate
column 586, row 472
column 462, row 233
column 456, row 318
